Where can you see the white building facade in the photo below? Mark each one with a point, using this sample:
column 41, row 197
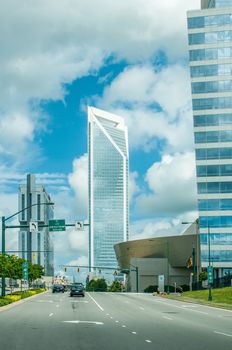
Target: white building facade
column 36, row 247
column 210, row 51
column 108, row 186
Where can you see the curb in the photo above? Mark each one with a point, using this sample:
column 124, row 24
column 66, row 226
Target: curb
column 19, row 302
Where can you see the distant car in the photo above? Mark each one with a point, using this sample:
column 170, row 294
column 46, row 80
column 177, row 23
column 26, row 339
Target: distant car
column 77, row 289
column 57, row 288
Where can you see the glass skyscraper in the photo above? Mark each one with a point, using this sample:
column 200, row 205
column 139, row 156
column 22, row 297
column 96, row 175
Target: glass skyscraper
column 108, row 186
column 210, row 51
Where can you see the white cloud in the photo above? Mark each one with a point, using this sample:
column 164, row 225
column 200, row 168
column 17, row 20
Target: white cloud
column 156, row 106
column 172, row 186
column 48, row 43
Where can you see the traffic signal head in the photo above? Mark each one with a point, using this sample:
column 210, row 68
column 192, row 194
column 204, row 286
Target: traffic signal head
column 65, row 269
column 78, row 270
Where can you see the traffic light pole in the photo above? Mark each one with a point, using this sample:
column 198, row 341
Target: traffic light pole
column 4, row 219
column 3, row 252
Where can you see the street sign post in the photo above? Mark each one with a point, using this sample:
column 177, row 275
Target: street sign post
column 79, row 225
column 25, row 270
column 56, row 225
column 33, row 226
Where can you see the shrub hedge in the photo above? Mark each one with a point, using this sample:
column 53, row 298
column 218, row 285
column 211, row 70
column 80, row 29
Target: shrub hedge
column 16, row 296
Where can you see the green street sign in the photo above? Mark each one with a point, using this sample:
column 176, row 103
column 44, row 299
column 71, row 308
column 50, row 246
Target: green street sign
column 25, row 270
column 210, row 274
column 56, row 225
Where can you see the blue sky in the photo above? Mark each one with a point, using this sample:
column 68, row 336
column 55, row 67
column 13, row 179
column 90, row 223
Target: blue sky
column 130, row 58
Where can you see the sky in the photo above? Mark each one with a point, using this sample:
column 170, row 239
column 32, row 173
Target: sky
column 126, row 57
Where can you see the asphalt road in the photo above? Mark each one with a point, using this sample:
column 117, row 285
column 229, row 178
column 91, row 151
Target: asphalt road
column 105, row 321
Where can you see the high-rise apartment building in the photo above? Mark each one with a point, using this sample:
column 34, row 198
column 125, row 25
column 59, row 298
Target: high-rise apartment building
column 36, row 247
column 210, row 51
column 108, row 185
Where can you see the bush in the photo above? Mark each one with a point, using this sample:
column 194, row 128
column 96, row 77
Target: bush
column 4, row 302
column 150, row 289
column 13, row 298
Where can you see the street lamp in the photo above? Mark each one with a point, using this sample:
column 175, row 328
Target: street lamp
column 210, row 272
column 4, row 219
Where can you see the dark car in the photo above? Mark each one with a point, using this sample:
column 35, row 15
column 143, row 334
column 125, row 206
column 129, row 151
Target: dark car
column 77, row 289
column 58, row 288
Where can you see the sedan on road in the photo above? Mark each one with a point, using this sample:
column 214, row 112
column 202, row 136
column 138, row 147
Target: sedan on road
column 77, row 289
column 58, row 288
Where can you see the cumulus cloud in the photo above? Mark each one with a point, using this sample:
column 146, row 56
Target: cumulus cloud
column 49, row 44
column 155, row 104
column 172, row 187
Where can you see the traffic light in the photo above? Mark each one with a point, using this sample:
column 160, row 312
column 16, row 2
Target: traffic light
column 65, row 269
column 78, row 270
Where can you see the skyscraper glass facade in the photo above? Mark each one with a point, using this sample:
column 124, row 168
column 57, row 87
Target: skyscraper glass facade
column 108, row 186
column 210, row 53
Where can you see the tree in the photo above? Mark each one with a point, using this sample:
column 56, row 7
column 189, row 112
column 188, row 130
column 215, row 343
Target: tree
column 116, row 286
column 98, row 285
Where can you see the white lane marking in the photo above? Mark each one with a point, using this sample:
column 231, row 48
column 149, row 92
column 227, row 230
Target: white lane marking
column 89, row 322
column 111, row 317
column 116, row 321
column 133, row 332
column 148, row 341
column 78, row 301
column 96, row 302
column 182, row 308
column 123, row 326
column 141, row 308
column 227, row 335
column 57, row 305
column 168, row 318
column 51, row 314
column 107, row 314
column 44, row 301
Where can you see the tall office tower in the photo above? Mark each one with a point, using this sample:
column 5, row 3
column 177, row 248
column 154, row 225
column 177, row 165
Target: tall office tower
column 108, row 186
column 210, row 51
column 36, row 247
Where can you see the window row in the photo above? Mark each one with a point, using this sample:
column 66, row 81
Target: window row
column 214, row 187
column 210, row 54
column 212, row 119
column 215, row 221
column 207, row 21
column 212, row 103
column 213, row 136
column 214, row 170
column 213, row 153
column 216, row 238
column 216, row 256
column 215, row 204
column 211, row 70
column 210, row 38
column 211, row 86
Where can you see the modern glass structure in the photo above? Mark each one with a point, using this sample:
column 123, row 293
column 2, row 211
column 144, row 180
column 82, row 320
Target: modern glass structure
column 36, row 247
column 210, row 51
column 108, row 186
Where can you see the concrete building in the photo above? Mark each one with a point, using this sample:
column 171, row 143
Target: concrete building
column 210, row 52
column 36, row 247
column 168, row 256
column 108, row 186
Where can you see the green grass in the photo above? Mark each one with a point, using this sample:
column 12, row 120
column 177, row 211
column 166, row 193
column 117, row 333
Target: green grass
column 221, row 295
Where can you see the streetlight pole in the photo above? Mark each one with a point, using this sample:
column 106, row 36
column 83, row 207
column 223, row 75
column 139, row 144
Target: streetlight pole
column 4, row 219
column 209, row 260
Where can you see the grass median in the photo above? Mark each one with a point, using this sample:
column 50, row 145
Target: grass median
column 221, row 297
column 16, row 296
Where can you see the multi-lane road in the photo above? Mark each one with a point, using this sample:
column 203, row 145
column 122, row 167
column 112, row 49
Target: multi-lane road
column 113, row 321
